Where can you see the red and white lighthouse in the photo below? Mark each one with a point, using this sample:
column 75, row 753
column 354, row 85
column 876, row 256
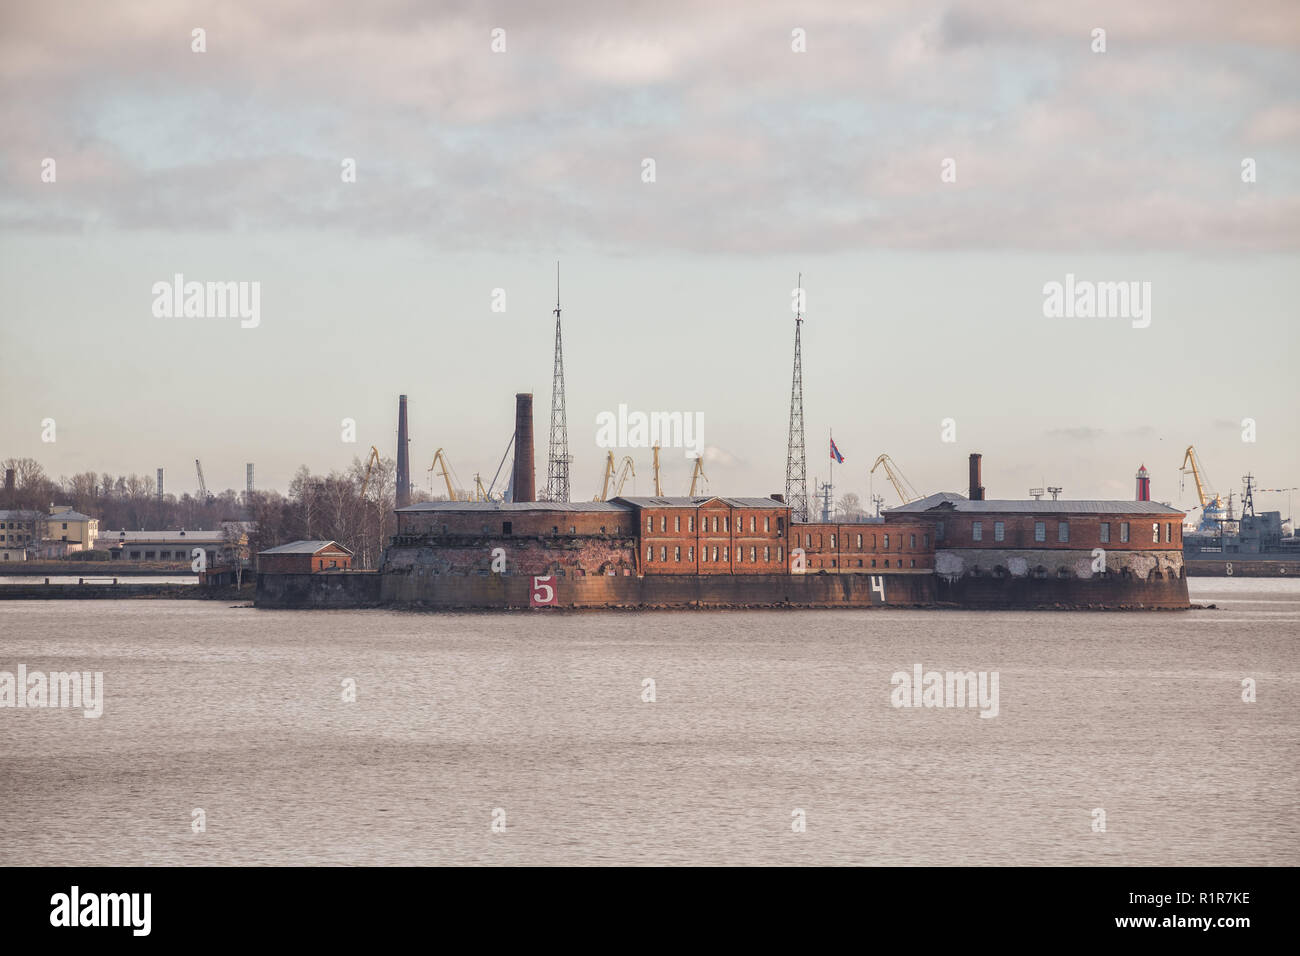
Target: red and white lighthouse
column 1143, row 484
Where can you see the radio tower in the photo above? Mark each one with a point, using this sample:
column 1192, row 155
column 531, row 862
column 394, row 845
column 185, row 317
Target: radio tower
column 796, row 469
column 557, row 464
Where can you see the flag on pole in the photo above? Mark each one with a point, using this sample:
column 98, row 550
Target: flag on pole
column 835, row 453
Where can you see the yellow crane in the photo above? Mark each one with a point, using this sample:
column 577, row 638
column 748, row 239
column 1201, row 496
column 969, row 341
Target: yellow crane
column 1203, row 490
column 905, row 489
column 697, row 474
column 611, row 474
column 659, row 491
column 446, row 473
column 370, row 466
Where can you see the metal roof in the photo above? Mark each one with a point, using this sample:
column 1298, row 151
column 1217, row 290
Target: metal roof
column 688, row 502
column 491, row 507
column 161, row 537
column 949, row 501
column 304, row 547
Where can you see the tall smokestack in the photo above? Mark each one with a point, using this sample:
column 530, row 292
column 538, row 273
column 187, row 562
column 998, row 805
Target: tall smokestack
column 160, row 484
column 525, row 478
column 403, row 456
column 976, row 489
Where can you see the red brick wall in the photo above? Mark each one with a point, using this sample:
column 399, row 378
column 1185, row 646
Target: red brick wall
column 522, row 523
column 302, row 563
column 1084, row 531
column 853, row 547
column 664, row 533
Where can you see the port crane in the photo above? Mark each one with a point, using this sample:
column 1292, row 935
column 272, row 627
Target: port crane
column 446, row 473
column 613, row 475
column 906, row 491
column 659, row 491
column 203, row 487
column 697, row 474
column 1211, row 504
column 371, row 462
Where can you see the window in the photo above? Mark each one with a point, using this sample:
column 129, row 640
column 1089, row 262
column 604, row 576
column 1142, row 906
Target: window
column 1155, row 533
column 1063, row 531
column 677, row 522
column 753, row 553
column 767, row 554
column 886, row 562
column 573, row 529
column 65, row 528
column 780, row 553
column 724, row 555
column 690, row 554
column 1169, row 532
column 832, row 542
column 690, row 522
column 715, row 522
column 1104, row 532
column 938, row 531
column 886, row 542
column 1123, row 531
column 977, row 530
column 506, row 527
column 873, row 562
column 726, row 523
column 649, row 554
column 999, row 531
column 780, row 526
column 663, row 554
column 753, row 523
column 767, row 523
column 715, row 550
column 912, row 542
column 859, row 542
column 677, row 554
column 650, row 523
column 819, row 542
column 663, row 522
column 704, row 555
column 1040, row 530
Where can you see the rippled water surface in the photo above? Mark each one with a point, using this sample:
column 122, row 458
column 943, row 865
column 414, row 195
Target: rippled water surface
column 239, row 712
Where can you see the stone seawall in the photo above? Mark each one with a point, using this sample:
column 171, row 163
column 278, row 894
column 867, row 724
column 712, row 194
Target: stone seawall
column 502, row 592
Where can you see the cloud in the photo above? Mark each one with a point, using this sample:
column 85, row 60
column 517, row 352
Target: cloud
column 758, row 149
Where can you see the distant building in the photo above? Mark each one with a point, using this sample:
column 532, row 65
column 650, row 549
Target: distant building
column 305, row 557
column 19, row 531
column 67, row 530
column 164, row 545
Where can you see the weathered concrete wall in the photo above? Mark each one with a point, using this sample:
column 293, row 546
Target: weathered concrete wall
column 592, row 554
column 329, row 589
column 953, row 563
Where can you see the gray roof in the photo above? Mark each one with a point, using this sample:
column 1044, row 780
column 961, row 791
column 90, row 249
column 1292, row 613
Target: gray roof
column 491, row 507
column 304, row 547
column 688, row 502
column 949, row 501
column 69, row 516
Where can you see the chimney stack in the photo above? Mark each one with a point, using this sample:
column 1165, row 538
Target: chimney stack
column 524, row 476
column 976, row 489
column 403, row 456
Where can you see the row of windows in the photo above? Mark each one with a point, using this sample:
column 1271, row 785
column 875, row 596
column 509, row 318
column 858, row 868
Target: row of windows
column 1062, row 531
column 704, row 554
column 859, row 540
column 721, row 523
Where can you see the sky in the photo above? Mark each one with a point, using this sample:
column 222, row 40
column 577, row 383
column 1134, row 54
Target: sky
column 928, row 168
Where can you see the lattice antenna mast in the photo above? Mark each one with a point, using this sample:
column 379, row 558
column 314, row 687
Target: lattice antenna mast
column 796, row 467
column 558, row 459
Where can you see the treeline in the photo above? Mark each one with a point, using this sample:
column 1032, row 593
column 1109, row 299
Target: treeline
column 317, row 506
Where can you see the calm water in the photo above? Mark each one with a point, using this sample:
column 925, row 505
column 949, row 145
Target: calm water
column 239, row 712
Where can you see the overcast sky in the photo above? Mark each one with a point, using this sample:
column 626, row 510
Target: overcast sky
column 476, row 170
